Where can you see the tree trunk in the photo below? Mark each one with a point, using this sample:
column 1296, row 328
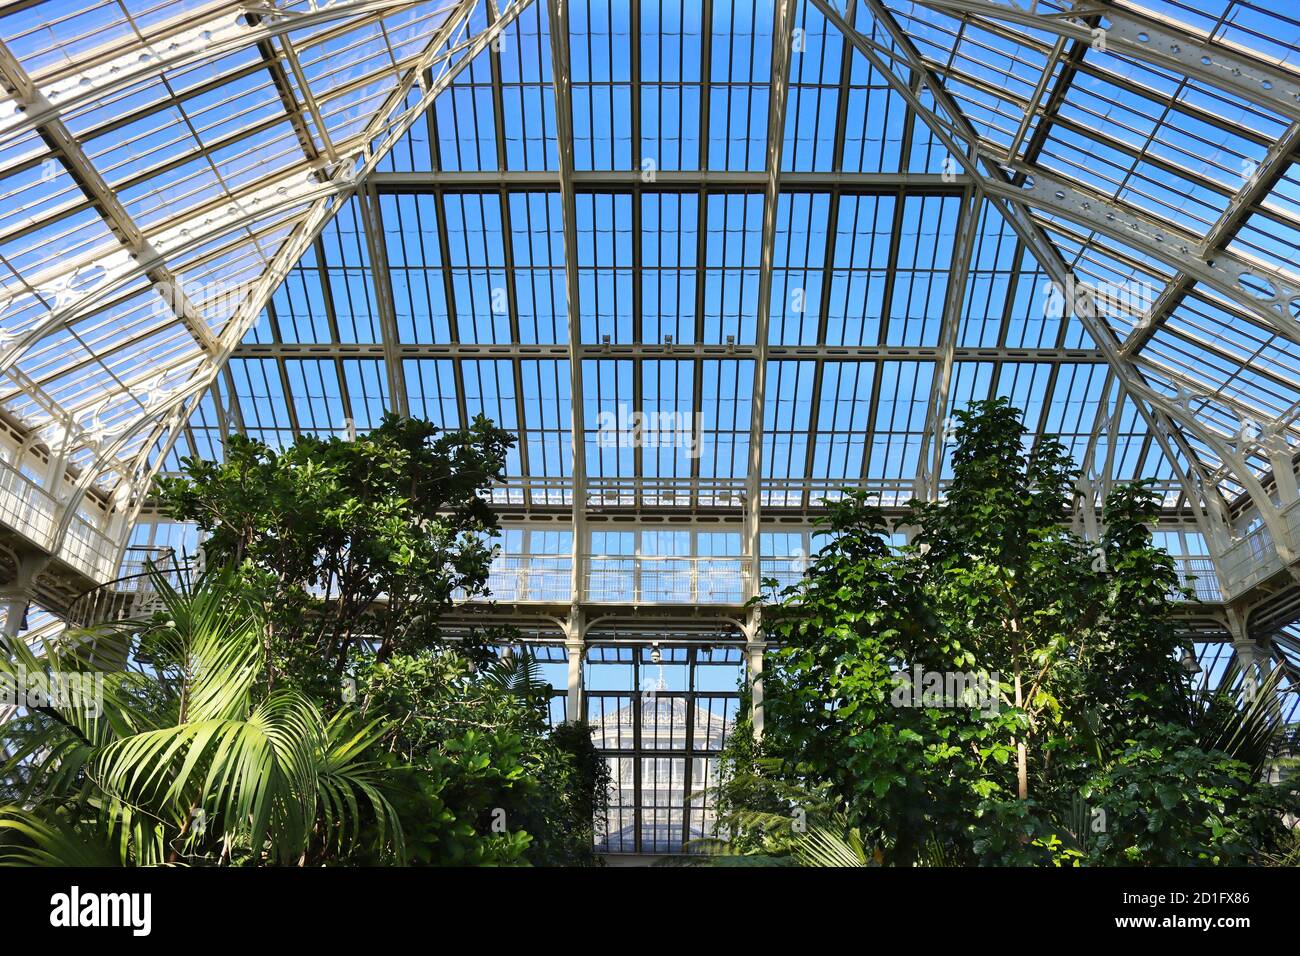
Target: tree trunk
column 1022, row 771
column 1022, row 755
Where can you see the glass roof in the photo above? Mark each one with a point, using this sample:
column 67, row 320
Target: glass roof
column 784, row 241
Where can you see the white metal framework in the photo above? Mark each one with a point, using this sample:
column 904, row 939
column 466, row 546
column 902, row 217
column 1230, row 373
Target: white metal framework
column 710, row 260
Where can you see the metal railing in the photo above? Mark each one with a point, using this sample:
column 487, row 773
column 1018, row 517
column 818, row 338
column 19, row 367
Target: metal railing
column 607, row 491
column 612, row 491
column 1194, row 571
column 626, row 579
column 1250, row 560
column 546, row 579
column 785, row 571
column 1199, row 574
column 34, row 513
column 618, row 579
column 518, row 578
column 88, row 549
column 133, row 593
column 25, row 506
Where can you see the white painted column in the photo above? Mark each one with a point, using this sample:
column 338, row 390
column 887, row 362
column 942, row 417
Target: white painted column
column 575, row 645
column 15, row 608
column 754, row 649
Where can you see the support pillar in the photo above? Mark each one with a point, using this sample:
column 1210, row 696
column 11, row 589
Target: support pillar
column 1252, row 655
column 1087, row 524
column 1280, row 458
column 575, row 645
column 17, row 597
column 754, row 648
column 15, row 610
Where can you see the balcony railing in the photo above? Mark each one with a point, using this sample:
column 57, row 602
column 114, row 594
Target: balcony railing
column 547, row 578
column 620, row 579
column 25, row 506
column 133, row 594
column 784, row 571
column 617, row 579
column 1254, row 557
column 1198, row 573
column 615, row 492
column 33, row 512
column 520, row 578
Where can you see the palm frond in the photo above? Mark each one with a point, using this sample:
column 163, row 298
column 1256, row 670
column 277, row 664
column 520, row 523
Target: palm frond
column 821, row 846
column 519, row 673
column 207, row 769
column 1242, row 719
column 344, row 776
column 26, row 839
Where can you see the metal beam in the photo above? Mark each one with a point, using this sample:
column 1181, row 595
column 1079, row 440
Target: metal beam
column 286, row 194
column 284, row 89
column 1105, row 421
column 832, row 225
column 102, row 272
column 1262, row 292
column 701, row 245
column 67, row 148
column 1157, row 410
column 1151, row 38
column 372, row 225
column 508, row 257
column 561, row 79
column 194, row 36
column 1258, row 288
column 384, row 130
column 930, row 457
column 1096, row 69
column 649, row 351
column 1257, row 188
column 666, row 180
column 782, row 39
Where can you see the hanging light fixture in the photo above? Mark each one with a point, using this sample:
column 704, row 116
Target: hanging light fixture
column 1190, row 664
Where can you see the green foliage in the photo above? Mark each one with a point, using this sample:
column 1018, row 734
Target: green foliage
column 442, row 761
column 822, row 846
column 351, row 550
column 586, row 789
column 183, row 763
column 1240, row 719
column 483, row 780
column 302, row 703
column 1169, row 802
column 1075, row 639
column 758, row 809
column 1014, row 832
column 342, row 543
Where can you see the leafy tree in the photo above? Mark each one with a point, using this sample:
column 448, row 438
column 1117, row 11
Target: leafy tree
column 760, row 813
column 181, row 762
column 585, row 789
column 329, row 564
column 352, row 550
column 834, row 726
column 484, row 781
column 442, row 760
column 1013, row 590
column 1169, row 802
column 1077, row 646
column 344, row 543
